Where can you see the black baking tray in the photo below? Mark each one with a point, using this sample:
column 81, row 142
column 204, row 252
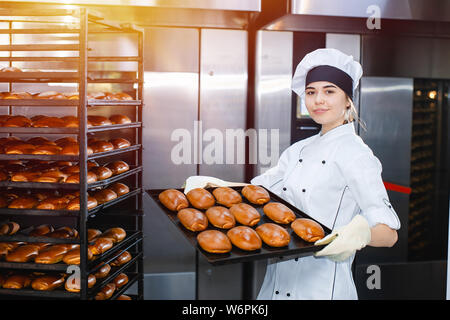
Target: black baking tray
column 297, row 247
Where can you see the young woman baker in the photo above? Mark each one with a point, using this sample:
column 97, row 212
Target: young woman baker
column 334, row 177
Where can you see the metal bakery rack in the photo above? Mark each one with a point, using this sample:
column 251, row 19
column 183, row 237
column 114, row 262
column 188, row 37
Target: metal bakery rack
column 126, row 210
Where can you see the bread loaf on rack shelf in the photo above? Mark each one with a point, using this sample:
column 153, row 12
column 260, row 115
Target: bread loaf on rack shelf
column 101, row 146
column 106, row 292
column 18, row 121
column 99, row 120
column 74, row 204
column 23, row 148
column 48, row 282
column 41, row 230
column 26, row 176
column 120, row 143
column 53, row 203
column 10, row 69
column 40, row 141
column 51, row 177
column 70, row 121
column 119, row 119
column 24, row 202
column 17, row 281
column 17, row 95
column 73, row 256
column 52, row 254
column 48, row 122
column 24, row 253
column 103, row 271
column 101, row 245
column 122, row 96
column 124, row 297
column 75, row 178
column 105, row 195
column 118, row 167
column 102, row 173
column 92, row 234
column 73, row 149
column 66, row 140
column 120, row 280
column 63, row 233
column 116, row 234
column 50, row 95
column 46, row 149
column 123, row 258
column 119, row 188
column 9, row 228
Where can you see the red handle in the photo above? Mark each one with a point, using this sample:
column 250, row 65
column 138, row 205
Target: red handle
column 397, row 188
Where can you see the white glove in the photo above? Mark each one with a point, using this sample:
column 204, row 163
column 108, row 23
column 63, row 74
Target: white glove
column 205, row 182
column 346, row 240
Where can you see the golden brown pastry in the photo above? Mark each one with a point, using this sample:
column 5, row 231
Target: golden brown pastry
column 279, row 213
column 103, row 271
column 173, row 200
column 101, row 146
column 18, row 121
column 11, row 69
column 73, row 256
column 120, row 143
column 120, row 280
column 9, row 228
column 214, row 241
column 40, row 141
column 48, row 122
column 73, row 149
column 74, row 204
column 106, row 292
column 123, row 258
column 244, row 238
column 227, row 196
column 101, row 245
column 48, row 282
column 17, row 95
column 119, row 188
column 124, row 297
column 200, row 198
column 41, row 230
column 273, row 235
column 117, row 234
column 92, row 234
column 26, row 176
column 72, row 285
column 17, row 281
column 119, row 119
column 122, row 96
column 66, row 140
column 308, row 229
column 22, row 148
column 52, row 254
column 118, row 167
column 23, row 203
column 105, row 195
column 70, row 121
column 255, row 194
column 62, row 233
column 220, row 217
column 75, row 178
column 102, row 173
column 99, row 120
column 192, row 219
column 55, row 176
column 53, row 203
column 23, row 253
column 46, row 149
column 50, row 95
column 245, row 214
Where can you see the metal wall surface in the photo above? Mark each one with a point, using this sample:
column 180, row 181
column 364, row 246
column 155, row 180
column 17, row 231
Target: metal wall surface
column 171, row 103
column 273, row 93
column 386, row 108
column 223, row 103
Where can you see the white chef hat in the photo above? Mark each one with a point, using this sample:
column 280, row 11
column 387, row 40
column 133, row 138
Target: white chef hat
column 327, row 65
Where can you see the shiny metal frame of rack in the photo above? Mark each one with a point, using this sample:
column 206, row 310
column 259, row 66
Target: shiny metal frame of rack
column 134, row 239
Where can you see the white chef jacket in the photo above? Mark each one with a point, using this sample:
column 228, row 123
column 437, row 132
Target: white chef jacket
column 331, row 177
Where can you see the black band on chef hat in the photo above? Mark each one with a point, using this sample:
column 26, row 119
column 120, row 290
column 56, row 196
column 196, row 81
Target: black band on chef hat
column 333, row 75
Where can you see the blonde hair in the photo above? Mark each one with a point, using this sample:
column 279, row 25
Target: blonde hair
column 351, row 114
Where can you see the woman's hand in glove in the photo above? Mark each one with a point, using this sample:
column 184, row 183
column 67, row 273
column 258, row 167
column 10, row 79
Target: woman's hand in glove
column 344, row 242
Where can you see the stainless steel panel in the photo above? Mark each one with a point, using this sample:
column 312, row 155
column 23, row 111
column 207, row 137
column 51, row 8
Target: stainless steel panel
column 223, row 102
column 347, row 43
column 273, row 91
column 171, row 103
column 386, row 108
column 434, row 10
column 247, row 5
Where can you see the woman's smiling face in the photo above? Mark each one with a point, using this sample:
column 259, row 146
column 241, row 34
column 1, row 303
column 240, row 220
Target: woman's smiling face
column 326, row 104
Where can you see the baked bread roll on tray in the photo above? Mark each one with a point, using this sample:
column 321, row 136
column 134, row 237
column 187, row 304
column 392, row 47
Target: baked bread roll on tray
column 273, row 235
column 103, row 271
column 279, row 213
column 9, row 228
column 123, row 258
column 92, row 234
column 116, row 234
column 106, row 292
column 227, row 196
column 308, row 229
column 24, row 253
column 220, row 217
column 48, row 122
column 50, row 95
column 255, row 194
column 119, row 119
column 52, row 254
column 73, row 256
column 72, row 285
column 99, row 120
column 40, row 141
column 74, row 204
column 24, row 202
column 18, row 121
column 173, row 200
column 124, row 297
column 120, row 280
column 47, row 149
column 214, row 241
column 100, row 246
column 91, row 177
column 245, row 214
column 25, row 176
column 119, row 188
column 70, row 121
column 120, row 143
column 41, row 230
column 105, row 195
column 244, row 238
column 102, row 173
column 101, row 146
column 17, row 281
column 192, row 219
column 118, row 167
column 63, row 233
column 48, row 282
column 201, row 198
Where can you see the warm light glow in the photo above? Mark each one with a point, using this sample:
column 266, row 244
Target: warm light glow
column 418, row 93
column 432, row 94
